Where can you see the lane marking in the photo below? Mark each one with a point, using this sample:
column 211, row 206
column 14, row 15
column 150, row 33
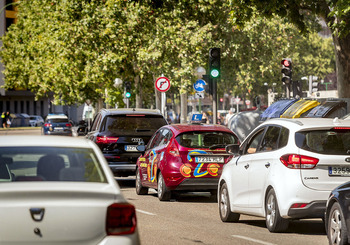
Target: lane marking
column 144, row 212
column 253, row 240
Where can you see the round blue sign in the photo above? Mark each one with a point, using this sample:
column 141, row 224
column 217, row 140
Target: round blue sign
column 199, row 85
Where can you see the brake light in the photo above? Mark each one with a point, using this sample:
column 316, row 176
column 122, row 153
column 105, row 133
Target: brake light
column 106, row 140
column 173, row 150
column 341, row 128
column 68, row 125
column 48, row 125
column 121, row 219
column 295, row 161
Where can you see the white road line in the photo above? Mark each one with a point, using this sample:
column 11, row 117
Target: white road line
column 253, row 240
column 144, row 212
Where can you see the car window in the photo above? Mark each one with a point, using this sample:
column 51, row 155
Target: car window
column 165, row 137
column 96, row 122
column 254, row 142
column 283, row 140
column 58, row 120
column 332, row 141
column 205, row 139
column 153, row 142
column 129, row 125
column 270, row 139
column 49, row 164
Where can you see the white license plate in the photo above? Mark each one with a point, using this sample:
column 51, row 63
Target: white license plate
column 58, row 128
column 131, row 148
column 339, row 171
column 216, row 159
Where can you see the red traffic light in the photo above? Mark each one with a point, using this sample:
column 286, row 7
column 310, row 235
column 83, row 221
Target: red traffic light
column 285, row 62
column 221, row 99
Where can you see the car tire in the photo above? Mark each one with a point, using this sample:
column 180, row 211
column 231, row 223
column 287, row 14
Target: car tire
column 226, row 214
column 274, row 221
column 337, row 232
column 140, row 190
column 163, row 193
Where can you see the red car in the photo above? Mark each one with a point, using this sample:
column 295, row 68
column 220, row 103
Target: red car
column 184, row 157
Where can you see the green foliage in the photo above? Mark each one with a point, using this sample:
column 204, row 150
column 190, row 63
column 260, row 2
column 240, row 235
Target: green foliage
column 76, row 48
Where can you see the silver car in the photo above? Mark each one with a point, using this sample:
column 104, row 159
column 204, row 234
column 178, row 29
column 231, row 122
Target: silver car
column 60, row 190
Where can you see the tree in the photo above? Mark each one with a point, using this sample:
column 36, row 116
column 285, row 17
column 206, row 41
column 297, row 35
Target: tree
column 303, row 13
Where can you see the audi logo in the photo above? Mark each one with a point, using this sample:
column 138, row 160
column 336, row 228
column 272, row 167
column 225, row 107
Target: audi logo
column 136, row 139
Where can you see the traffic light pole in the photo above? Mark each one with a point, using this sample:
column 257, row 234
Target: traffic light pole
column 215, row 101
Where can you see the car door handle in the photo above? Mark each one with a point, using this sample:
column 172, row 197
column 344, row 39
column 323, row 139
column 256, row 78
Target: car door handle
column 267, row 165
column 246, row 166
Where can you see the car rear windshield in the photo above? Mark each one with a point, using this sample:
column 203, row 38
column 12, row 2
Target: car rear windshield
column 49, row 164
column 133, row 124
column 333, row 141
column 58, row 120
column 202, row 139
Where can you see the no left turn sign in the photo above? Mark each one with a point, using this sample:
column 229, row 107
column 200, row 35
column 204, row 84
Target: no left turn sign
column 162, row 84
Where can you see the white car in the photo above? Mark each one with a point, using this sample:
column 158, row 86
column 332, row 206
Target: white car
column 285, row 169
column 36, row 121
column 60, row 190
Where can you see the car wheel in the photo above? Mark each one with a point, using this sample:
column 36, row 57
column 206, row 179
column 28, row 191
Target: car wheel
column 140, row 190
column 336, row 231
column 274, row 221
column 224, row 206
column 163, row 193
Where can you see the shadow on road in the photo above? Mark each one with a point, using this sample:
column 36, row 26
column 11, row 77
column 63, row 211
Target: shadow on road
column 302, row 227
column 126, row 182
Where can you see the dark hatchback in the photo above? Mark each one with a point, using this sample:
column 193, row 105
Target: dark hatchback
column 57, row 124
column 119, row 131
column 337, row 216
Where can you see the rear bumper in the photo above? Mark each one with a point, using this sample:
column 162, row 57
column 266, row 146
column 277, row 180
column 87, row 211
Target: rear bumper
column 65, row 133
column 198, row 184
column 123, row 169
column 314, row 209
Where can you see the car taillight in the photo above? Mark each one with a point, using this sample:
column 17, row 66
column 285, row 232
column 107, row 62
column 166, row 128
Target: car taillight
column 173, row 150
column 106, row 140
column 299, row 205
column 68, row 125
column 295, row 161
column 48, row 125
column 121, row 219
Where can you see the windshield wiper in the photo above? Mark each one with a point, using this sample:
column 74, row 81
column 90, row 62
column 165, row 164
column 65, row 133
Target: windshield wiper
column 217, row 146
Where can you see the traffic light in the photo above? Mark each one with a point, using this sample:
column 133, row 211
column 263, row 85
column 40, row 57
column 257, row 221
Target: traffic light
column 214, row 62
column 286, row 70
column 127, row 90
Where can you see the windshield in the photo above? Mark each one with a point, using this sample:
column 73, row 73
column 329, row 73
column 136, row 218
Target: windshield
column 129, row 125
column 325, row 141
column 49, row 164
column 202, row 139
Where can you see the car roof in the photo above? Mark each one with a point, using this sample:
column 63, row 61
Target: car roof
column 181, row 128
column 44, row 140
column 52, row 116
column 121, row 111
column 305, row 123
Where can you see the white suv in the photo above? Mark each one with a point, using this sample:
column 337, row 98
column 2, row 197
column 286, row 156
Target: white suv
column 285, row 169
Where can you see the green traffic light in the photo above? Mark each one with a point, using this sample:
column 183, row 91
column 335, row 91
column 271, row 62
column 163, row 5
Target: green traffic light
column 128, row 95
column 214, row 73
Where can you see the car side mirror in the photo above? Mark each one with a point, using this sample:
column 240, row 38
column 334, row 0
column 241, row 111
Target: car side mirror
column 232, row 149
column 141, row 146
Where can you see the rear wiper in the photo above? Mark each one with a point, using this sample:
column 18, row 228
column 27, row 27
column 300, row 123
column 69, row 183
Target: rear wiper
column 142, row 130
column 217, row 146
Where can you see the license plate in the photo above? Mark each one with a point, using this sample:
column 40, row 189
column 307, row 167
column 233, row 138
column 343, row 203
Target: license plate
column 209, row 159
column 339, row 171
column 131, row 148
column 58, row 128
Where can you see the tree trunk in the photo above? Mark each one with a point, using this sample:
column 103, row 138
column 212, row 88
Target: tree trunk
column 183, row 113
column 342, row 55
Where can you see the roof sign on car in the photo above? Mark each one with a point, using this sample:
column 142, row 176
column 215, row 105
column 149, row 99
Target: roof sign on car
column 196, row 118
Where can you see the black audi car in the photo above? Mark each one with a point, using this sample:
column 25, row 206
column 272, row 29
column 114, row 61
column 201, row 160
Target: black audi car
column 118, row 132
column 337, row 216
